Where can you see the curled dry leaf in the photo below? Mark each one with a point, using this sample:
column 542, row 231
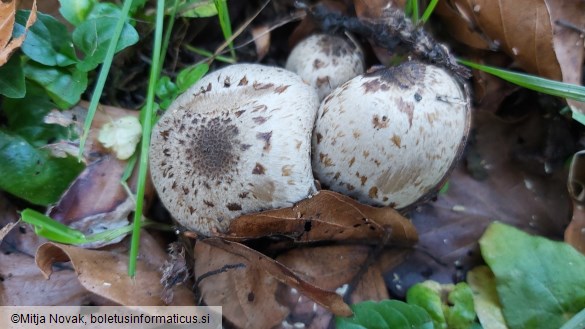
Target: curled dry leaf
column 7, row 13
column 328, row 216
column 575, row 232
column 105, row 274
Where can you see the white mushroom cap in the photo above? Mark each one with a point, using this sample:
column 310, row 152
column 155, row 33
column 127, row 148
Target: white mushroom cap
column 389, row 137
column 326, row 61
column 236, row 142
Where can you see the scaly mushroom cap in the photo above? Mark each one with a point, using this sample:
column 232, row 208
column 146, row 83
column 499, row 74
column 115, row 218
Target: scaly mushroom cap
column 326, row 61
column 390, row 137
column 236, row 142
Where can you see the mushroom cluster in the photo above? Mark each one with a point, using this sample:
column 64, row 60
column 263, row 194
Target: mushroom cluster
column 247, row 138
column 236, row 142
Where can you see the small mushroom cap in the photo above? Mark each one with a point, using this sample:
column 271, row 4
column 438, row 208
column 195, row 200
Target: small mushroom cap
column 326, row 61
column 236, row 142
column 390, row 137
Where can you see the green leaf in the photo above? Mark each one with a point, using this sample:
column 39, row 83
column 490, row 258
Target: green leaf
column 541, row 283
column 195, row 8
column 31, row 173
column 428, row 296
column 93, row 36
column 63, row 85
column 47, row 41
column 450, row 306
column 76, row 11
column 461, row 315
column 25, row 117
column 391, row 314
column 12, row 78
column 187, row 77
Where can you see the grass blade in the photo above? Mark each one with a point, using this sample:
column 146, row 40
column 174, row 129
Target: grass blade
column 103, row 75
column 546, row 86
column 224, row 21
column 430, row 8
column 145, row 143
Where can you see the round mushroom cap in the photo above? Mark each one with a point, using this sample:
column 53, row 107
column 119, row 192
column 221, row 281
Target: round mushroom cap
column 390, row 137
column 238, row 141
column 326, row 61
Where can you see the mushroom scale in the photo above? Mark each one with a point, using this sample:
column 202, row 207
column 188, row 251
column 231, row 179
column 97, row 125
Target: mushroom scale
column 236, row 142
column 391, row 136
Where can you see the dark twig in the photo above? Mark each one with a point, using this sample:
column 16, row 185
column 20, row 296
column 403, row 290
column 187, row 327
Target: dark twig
column 393, row 31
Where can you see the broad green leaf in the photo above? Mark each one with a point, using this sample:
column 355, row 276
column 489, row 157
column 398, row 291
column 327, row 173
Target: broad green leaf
column 76, row 11
column 47, row 41
column 12, row 78
column 187, row 77
column 540, row 283
column 31, row 173
column 63, row 85
column 93, row 36
column 25, row 117
column 390, row 314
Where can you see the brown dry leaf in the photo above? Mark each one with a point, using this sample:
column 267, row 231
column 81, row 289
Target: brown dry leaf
column 330, row 300
column 522, row 28
column 455, row 15
column 105, row 274
column 568, row 19
column 575, row 232
column 23, row 284
column 18, row 270
column 7, row 14
column 7, row 17
column 243, row 289
column 107, row 208
column 510, row 185
column 328, row 216
column 333, row 268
